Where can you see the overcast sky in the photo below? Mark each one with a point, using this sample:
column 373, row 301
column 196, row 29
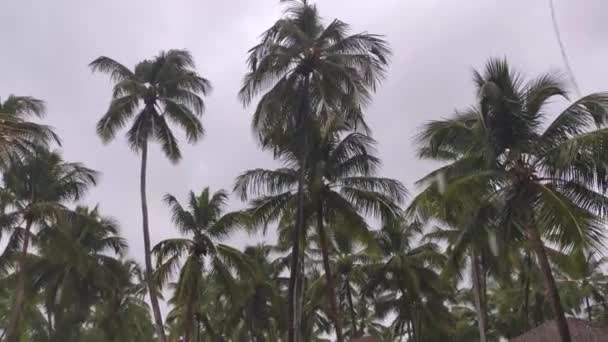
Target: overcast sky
column 46, row 46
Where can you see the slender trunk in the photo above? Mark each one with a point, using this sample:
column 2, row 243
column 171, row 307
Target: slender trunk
column 541, row 254
column 331, row 289
column 293, row 330
column 293, row 314
column 590, row 317
column 477, row 291
column 158, row 319
column 527, row 275
column 49, row 319
column 12, row 331
column 188, row 323
column 198, row 330
column 351, row 306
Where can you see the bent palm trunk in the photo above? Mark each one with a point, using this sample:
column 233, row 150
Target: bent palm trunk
column 12, row 332
column 479, row 303
column 331, row 289
column 158, row 319
column 541, row 254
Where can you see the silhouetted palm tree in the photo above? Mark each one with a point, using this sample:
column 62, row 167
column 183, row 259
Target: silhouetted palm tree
column 165, row 89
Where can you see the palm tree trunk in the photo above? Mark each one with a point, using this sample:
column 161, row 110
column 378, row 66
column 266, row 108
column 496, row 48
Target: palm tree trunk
column 331, row 287
column 294, row 273
column 188, row 322
column 351, row 306
column 12, row 331
column 477, row 291
column 293, row 316
column 527, row 275
column 541, row 254
column 158, row 319
column 590, row 317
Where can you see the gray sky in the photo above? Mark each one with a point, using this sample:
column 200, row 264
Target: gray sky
column 46, row 46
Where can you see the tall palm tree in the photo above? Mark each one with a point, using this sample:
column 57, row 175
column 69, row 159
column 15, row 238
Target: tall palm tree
column 17, row 135
column 206, row 223
column 340, row 184
column 547, row 179
column 77, row 264
column 162, row 90
column 38, row 187
column 306, row 69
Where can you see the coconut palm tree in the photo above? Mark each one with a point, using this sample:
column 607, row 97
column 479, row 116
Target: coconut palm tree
column 206, row 224
column 122, row 315
column 77, row 264
column 469, row 230
column 37, row 188
column 581, row 278
column 406, row 282
column 547, row 179
column 159, row 91
column 308, row 70
column 340, row 184
column 17, row 134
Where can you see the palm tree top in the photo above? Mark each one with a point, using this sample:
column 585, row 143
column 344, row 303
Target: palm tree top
column 158, row 91
column 299, row 57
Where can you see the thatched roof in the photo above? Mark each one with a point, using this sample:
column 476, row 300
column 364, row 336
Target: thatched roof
column 581, row 331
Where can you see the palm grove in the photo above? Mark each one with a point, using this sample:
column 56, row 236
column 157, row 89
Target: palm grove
column 506, row 234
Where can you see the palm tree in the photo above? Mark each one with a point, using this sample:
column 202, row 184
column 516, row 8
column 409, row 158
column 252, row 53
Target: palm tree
column 77, row 264
column 581, row 277
column 257, row 308
column 37, row 188
column 158, row 91
column 307, row 69
column 468, row 228
column 339, row 185
column 547, row 180
column 206, row 223
column 17, row 135
column 122, row 315
column 405, row 282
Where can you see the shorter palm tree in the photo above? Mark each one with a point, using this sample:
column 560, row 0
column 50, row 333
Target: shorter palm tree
column 35, row 189
column 77, row 264
column 206, row 225
column 406, row 282
column 581, row 279
column 17, row 135
column 122, row 314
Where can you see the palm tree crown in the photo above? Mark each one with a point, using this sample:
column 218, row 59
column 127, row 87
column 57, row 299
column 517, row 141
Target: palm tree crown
column 156, row 92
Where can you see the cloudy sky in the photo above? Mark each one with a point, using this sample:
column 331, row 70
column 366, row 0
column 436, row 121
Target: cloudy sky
column 46, row 46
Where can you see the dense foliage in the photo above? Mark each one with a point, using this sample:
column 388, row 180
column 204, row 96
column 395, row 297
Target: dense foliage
column 507, row 233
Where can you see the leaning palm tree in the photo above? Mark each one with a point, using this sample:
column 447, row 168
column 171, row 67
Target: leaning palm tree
column 548, row 180
column 340, row 186
column 165, row 89
column 207, row 224
column 17, row 135
column 306, row 69
column 36, row 188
